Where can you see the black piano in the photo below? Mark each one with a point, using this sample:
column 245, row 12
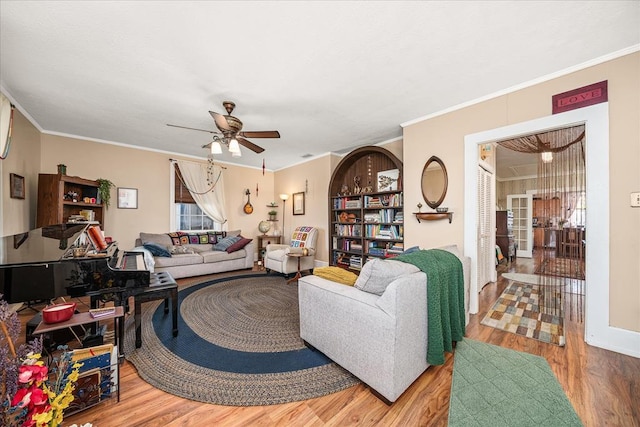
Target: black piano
column 62, row 260
column 43, row 264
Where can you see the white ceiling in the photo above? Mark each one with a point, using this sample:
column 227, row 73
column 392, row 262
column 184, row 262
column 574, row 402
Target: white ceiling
column 330, row 76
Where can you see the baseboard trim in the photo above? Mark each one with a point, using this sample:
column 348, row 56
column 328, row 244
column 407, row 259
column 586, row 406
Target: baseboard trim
column 619, row 340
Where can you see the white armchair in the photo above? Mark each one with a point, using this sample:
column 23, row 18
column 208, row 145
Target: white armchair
column 276, row 259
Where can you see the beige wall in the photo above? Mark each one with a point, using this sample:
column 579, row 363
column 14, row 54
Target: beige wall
column 19, row 215
column 148, row 171
column 443, row 136
column 316, row 173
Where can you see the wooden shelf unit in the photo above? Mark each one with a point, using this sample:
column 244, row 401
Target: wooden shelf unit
column 52, row 206
column 369, row 224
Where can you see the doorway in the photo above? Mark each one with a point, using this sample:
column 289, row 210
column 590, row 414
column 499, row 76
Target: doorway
column 596, row 119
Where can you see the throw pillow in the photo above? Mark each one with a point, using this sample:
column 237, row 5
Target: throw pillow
column 223, row 244
column 411, row 249
column 376, row 274
column 181, row 250
column 157, row 250
column 336, row 274
column 238, row 245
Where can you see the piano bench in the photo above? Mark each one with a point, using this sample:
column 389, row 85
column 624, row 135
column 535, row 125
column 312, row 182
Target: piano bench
column 165, row 287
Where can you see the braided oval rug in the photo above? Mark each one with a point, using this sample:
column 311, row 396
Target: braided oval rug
column 238, row 344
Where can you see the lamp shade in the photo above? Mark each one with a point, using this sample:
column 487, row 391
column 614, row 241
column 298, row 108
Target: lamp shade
column 284, row 196
column 216, row 148
column 234, row 147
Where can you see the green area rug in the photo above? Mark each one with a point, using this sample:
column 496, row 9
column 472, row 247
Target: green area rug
column 495, row 386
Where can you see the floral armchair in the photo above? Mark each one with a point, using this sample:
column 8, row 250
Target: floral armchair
column 276, row 256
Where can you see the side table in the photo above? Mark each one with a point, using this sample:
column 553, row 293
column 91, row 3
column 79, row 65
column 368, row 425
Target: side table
column 85, row 318
column 298, row 274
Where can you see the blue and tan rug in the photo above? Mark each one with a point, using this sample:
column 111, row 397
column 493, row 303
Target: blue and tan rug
column 238, row 344
column 494, row 386
column 523, row 310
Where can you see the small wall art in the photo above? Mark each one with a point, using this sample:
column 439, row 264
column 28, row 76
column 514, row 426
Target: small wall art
column 127, row 198
column 298, row 203
column 16, row 182
column 388, row 180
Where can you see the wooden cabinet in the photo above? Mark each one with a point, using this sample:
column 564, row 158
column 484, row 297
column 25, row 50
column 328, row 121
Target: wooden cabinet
column 363, row 221
column 504, row 234
column 60, row 196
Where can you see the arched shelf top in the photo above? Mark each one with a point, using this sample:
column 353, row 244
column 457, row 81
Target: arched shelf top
column 365, row 163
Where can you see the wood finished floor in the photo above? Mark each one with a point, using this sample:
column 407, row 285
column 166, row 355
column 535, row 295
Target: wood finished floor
column 603, row 386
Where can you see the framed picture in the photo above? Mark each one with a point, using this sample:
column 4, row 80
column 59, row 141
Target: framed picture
column 388, row 180
column 298, row 203
column 127, row 198
column 17, row 186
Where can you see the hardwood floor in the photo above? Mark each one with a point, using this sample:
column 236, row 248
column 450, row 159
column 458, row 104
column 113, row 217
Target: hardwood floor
column 604, row 388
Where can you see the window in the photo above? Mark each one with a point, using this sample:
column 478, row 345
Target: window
column 188, row 215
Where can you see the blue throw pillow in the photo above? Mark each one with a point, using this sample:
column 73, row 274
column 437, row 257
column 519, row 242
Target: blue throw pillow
column 411, row 249
column 223, row 244
column 157, row 250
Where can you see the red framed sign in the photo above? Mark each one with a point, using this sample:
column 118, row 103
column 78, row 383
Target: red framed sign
column 581, row 97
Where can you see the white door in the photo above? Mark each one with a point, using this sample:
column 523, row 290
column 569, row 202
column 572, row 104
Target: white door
column 522, row 207
column 486, row 229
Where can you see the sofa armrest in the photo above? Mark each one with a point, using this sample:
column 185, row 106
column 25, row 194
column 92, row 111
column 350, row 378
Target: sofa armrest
column 401, row 292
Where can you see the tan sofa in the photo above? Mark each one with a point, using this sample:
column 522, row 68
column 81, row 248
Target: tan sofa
column 196, row 259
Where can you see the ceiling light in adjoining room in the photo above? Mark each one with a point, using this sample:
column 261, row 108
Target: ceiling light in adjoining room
column 547, row 156
column 234, row 147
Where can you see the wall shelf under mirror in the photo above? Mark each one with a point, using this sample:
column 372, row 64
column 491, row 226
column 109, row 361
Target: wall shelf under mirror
column 433, row 216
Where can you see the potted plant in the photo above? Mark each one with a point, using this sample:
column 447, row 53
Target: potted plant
column 104, row 191
column 272, row 215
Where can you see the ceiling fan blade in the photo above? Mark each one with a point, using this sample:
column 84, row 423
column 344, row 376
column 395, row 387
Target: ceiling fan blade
column 250, row 145
column 260, row 134
column 201, row 130
column 221, row 121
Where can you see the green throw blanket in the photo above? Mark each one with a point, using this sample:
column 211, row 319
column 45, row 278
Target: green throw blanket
column 445, row 299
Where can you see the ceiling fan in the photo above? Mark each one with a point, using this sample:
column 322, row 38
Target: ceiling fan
column 231, row 134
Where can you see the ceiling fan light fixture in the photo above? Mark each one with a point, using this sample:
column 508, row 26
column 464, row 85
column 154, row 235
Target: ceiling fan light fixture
column 238, row 154
column 216, row 148
column 234, row 147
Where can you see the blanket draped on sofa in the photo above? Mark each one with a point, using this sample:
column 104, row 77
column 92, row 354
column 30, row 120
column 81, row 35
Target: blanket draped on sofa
column 445, row 299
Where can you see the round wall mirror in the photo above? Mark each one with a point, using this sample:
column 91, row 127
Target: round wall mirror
column 434, row 182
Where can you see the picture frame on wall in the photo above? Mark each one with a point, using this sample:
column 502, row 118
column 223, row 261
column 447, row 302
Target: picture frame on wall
column 388, row 180
column 298, row 203
column 127, row 198
column 16, row 182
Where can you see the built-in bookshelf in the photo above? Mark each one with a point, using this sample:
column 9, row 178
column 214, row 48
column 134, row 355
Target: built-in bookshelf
column 363, row 221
